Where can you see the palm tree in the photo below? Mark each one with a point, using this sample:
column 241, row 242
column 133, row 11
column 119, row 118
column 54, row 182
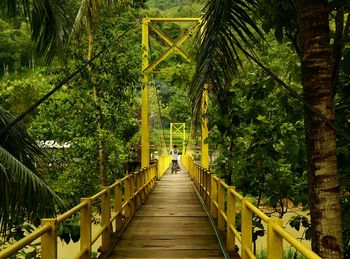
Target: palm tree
column 86, row 18
column 24, row 196
column 228, row 30
column 324, row 189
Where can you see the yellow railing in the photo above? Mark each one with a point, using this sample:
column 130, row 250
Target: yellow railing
column 221, row 199
column 163, row 164
column 129, row 193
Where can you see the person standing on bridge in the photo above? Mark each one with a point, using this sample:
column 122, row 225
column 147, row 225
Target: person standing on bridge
column 175, row 154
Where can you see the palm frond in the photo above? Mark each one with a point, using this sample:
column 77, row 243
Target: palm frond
column 9, row 8
column 51, row 21
column 18, row 142
column 24, row 196
column 227, row 27
column 89, row 10
column 87, row 13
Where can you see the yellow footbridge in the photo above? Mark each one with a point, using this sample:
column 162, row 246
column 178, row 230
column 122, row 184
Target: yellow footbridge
column 149, row 214
column 152, row 213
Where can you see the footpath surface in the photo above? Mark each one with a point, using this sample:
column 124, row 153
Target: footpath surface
column 170, row 224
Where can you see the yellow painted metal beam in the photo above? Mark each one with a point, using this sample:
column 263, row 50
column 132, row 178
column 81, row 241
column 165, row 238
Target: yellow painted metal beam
column 175, row 19
column 145, row 136
column 170, row 50
column 169, row 42
column 178, row 129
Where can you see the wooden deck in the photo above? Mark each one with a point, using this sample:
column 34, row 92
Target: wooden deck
column 170, row 224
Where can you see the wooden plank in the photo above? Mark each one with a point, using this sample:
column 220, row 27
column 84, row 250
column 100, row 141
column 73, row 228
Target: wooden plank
column 170, row 224
column 170, row 242
column 167, row 253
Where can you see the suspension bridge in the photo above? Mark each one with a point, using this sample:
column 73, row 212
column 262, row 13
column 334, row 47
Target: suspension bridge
column 151, row 213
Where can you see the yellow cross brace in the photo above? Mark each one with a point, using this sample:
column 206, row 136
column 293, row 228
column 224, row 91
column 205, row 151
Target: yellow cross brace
column 178, row 128
column 173, row 46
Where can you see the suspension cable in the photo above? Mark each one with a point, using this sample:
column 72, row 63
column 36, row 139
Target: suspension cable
column 158, row 102
column 160, row 113
column 65, row 80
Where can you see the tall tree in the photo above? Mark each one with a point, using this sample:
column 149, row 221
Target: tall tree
column 229, row 29
column 324, row 190
column 86, row 17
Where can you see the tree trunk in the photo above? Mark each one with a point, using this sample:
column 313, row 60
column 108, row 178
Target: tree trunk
column 99, row 115
column 323, row 180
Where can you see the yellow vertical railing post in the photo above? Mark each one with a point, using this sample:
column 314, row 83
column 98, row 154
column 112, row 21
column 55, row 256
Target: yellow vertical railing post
column 204, row 146
column 85, row 227
column 195, row 176
column 160, row 163
column 106, row 220
column 145, row 136
column 191, row 165
column 204, row 172
column 127, row 197
column 118, row 200
column 231, row 220
column 247, row 228
column 209, row 189
column 205, row 178
column 148, row 177
column 49, row 240
column 132, row 193
column 145, row 177
column 138, row 189
column 143, row 182
column 198, row 177
column 274, row 240
column 154, row 175
column 214, row 197
column 221, row 206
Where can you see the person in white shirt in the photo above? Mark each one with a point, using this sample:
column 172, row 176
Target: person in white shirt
column 175, row 154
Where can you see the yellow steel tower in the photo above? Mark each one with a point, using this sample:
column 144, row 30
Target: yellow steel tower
column 147, row 67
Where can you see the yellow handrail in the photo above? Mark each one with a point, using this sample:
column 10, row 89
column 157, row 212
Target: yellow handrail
column 214, row 191
column 130, row 192
column 24, row 241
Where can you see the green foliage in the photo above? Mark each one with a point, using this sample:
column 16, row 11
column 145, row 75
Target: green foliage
column 69, row 230
column 259, row 132
column 15, row 48
column 297, row 221
column 289, row 254
column 18, row 93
